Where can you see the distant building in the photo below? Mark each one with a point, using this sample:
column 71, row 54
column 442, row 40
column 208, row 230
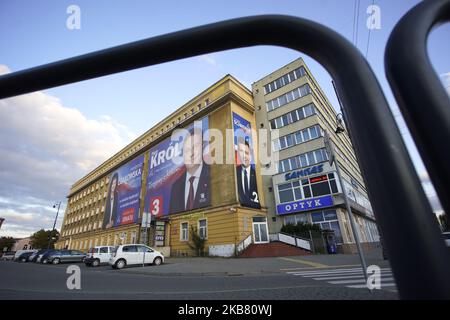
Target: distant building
column 22, row 244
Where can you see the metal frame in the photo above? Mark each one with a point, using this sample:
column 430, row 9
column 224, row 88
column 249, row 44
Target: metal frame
column 401, row 207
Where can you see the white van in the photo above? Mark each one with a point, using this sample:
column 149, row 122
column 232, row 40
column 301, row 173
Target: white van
column 135, row 254
column 98, row 255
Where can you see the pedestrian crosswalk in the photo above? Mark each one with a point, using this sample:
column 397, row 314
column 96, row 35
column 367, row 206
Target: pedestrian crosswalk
column 349, row 277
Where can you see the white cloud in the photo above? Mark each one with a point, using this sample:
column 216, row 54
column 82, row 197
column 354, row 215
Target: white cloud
column 209, row 59
column 45, row 147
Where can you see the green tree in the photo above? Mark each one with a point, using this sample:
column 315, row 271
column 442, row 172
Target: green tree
column 40, row 239
column 198, row 243
column 7, row 242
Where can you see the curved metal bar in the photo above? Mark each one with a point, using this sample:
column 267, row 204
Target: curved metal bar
column 394, row 187
column 419, row 92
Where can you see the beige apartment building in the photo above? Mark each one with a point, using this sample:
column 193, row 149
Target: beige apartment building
column 305, row 188
column 148, row 185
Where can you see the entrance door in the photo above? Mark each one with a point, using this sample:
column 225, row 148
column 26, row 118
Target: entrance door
column 260, row 232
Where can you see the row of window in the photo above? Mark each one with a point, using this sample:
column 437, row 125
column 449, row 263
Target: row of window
column 86, row 192
column 87, row 227
column 202, row 230
column 284, row 80
column 104, row 241
column 307, row 188
column 293, row 116
column 302, row 160
column 297, row 137
column 290, row 96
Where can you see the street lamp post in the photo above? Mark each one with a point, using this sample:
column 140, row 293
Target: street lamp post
column 58, row 204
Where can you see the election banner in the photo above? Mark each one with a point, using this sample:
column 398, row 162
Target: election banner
column 178, row 177
column 245, row 163
column 122, row 201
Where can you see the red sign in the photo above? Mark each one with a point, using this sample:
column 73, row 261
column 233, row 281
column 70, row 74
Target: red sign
column 127, row 216
column 318, row 179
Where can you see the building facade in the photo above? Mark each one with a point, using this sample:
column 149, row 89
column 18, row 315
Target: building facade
column 290, row 103
column 175, row 179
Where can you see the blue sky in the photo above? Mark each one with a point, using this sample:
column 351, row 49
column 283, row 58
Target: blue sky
column 113, row 110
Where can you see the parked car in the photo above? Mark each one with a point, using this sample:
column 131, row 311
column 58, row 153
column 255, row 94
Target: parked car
column 61, row 256
column 33, row 257
column 8, row 255
column 24, row 256
column 43, row 257
column 20, row 252
column 133, row 254
column 447, row 238
column 99, row 255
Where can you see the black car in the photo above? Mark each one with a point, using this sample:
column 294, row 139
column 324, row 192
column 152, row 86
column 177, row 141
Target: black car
column 60, row 256
column 33, row 257
column 24, row 256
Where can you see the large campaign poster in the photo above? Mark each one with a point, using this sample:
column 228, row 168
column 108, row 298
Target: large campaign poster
column 122, row 201
column 245, row 164
column 178, row 177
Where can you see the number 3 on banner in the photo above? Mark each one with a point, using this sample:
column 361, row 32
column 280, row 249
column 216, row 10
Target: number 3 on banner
column 156, row 205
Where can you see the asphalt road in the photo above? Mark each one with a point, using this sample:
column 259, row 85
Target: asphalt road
column 37, row 281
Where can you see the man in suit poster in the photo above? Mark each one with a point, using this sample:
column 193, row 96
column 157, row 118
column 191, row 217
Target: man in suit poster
column 178, row 177
column 246, row 177
column 245, row 167
column 191, row 190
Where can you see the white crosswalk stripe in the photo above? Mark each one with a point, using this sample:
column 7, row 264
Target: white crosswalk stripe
column 350, row 277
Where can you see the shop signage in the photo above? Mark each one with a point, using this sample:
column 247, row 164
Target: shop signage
column 303, row 173
column 304, row 205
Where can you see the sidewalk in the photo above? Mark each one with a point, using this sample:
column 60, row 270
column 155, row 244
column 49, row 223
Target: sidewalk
column 193, row 266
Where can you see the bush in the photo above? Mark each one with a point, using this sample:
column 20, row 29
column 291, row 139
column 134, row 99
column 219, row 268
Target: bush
column 198, row 243
column 300, row 229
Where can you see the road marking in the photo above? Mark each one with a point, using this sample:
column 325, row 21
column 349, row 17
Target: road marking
column 309, row 263
column 362, row 281
column 350, row 277
column 314, row 273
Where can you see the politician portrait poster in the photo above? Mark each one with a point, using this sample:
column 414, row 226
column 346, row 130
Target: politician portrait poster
column 245, row 165
column 122, row 200
column 178, row 177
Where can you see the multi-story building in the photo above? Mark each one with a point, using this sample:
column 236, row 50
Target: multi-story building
column 215, row 197
column 290, row 103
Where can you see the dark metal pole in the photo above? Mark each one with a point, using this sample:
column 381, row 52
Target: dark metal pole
column 416, row 249
column 54, row 224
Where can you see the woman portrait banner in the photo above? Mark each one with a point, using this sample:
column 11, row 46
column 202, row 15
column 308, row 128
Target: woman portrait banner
column 122, row 201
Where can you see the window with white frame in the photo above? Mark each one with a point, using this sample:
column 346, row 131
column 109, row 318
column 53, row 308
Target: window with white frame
column 327, row 220
column 303, row 160
column 307, row 188
column 203, row 228
column 293, row 116
column 284, row 80
column 288, row 97
column 184, row 234
column 297, row 137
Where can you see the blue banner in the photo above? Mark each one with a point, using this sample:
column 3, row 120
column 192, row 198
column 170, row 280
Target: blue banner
column 245, row 163
column 122, row 201
column 304, row 205
column 178, row 177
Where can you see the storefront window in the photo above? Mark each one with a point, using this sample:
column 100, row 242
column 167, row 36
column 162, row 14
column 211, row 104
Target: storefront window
column 327, row 220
